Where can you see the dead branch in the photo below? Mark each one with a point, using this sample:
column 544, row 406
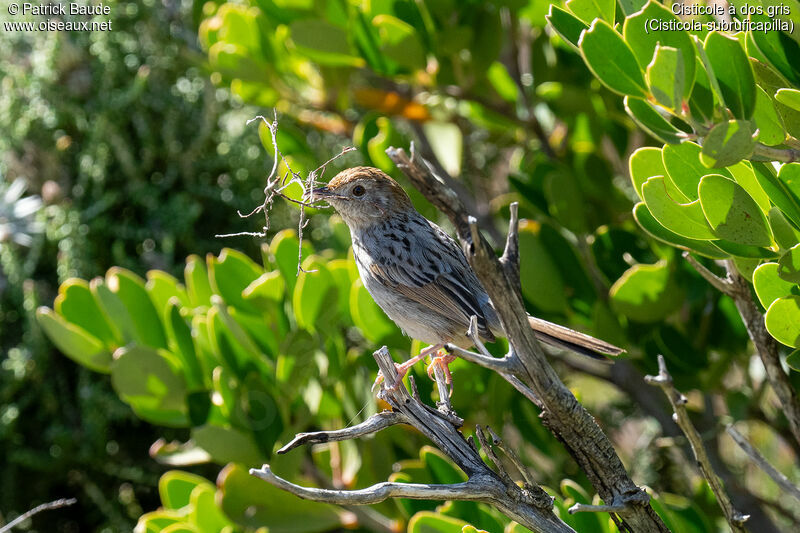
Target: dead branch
column 522, row 504
column 678, row 401
column 57, row 504
column 761, row 462
column 529, row 367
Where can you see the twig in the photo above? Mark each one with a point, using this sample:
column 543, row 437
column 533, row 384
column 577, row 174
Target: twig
column 585, row 508
column 767, row 348
column 785, row 155
column 371, row 425
column 483, row 483
column 725, row 286
column 561, row 412
column 782, row 481
column 57, row 504
column 678, row 401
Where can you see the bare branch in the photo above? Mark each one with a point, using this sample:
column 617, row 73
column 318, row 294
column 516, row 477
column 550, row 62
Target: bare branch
column 767, row 348
column 722, row 285
column 467, row 491
column 441, row 427
column 678, row 401
column 371, row 425
column 57, row 504
column 489, row 451
column 782, row 481
column 785, row 155
column 584, row 508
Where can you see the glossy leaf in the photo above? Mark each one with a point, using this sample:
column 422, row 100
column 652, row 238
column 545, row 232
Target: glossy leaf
column 367, row 316
column 311, row 292
column 269, row 286
column 780, row 50
column 255, row 504
column 144, row 379
column 323, row 42
column 175, row 488
column 779, row 190
column 789, row 265
column 646, row 163
column 656, row 230
column 589, row 10
column 684, row 168
column 429, row 522
column 646, row 116
column 76, row 303
column 728, row 143
column 793, row 360
column 684, row 219
column 611, row 60
column 767, row 119
column 73, row 341
column 665, row 77
column 769, row 286
column 743, row 174
column 646, row 293
column 732, row 213
column 789, row 97
column 230, row 275
column 567, row 26
column 733, row 72
column 228, row 445
column 783, row 320
column 643, row 39
column 541, row 280
column 130, row 289
column 162, row 288
column 197, row 285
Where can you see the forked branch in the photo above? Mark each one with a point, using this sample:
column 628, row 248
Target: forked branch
column 529, row 505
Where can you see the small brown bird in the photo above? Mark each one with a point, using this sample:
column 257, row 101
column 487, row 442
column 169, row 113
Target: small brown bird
column 418, row 274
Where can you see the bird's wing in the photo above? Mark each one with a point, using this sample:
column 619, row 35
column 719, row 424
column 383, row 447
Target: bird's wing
column 439, row 278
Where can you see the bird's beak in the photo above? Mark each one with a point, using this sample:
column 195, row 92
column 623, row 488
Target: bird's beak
column 320, row 193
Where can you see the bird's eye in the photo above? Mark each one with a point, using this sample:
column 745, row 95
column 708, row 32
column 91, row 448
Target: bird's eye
column 359, row 190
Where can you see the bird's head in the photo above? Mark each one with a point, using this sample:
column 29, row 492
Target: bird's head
column 363, row 196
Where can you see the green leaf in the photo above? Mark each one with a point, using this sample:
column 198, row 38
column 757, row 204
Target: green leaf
column 268, row 287
column 447, row 143
column 324, row 43
column 665, row 77
column 502, row 82
column 684, row 168
column 158, row 521
column 197, row 285
column 785, row 235
column 789, row 97
column 181, row 334
column 742, row 172
column 129, row 287
column 779, row 190
column 162, row 288
column 76, row 303
column 230, row 275
column 780, row 50
column 253, row 503
column 175, row 488
column 566, row 25
column 589, row 10
column 400, row 42
column 565, row 200
column 793, row 360
column 646, row 163
column 745, row 250
column 789, row 265
column 643, row 39
column 701, row 101
column 684, row 219
column 74, row 341
column 769, row 286
column 651, row 121
column 144, row 379
column 228, row 445
column 542, row 284
column 771, row 82
column 367, row 316
column 611, row 60
column 651, row 226
column 206, row 515
column 732, row 213
column 646, row 293
column 733, row 72
column 768, row 121
column 283, row 250
column 430, row 522
column 728, row 143
column 311, row 292
column 442, row 468
column 783, row 320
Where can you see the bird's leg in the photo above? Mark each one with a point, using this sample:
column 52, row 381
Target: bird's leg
column 402, row 368
column 443, row 359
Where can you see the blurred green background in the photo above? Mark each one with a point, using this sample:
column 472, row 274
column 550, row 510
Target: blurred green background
column 124, row 153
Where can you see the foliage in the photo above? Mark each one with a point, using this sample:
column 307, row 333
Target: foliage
column 736, row 96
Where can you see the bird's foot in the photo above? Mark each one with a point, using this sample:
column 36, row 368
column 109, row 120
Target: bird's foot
column 442, row 359
column 402, row 368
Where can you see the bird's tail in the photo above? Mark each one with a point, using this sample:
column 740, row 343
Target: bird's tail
column 572, row 340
